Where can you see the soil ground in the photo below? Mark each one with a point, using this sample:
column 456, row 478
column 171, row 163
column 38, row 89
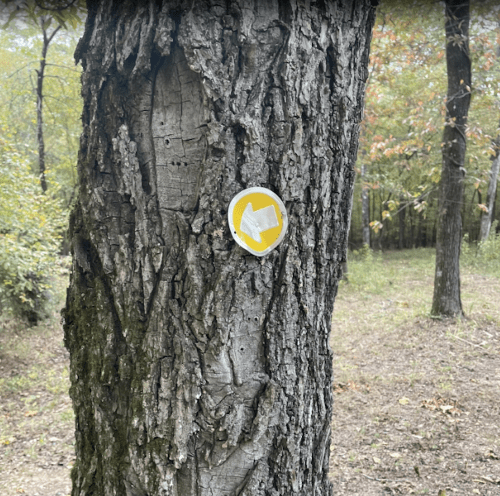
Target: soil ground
column 416, row 399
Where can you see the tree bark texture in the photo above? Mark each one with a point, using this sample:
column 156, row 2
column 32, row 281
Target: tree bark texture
column 196, row 368
column 446, row 299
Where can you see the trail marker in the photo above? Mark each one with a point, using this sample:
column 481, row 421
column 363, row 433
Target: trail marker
column 258, row 220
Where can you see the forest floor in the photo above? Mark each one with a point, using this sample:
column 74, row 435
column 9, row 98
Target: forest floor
column 417, row 400
column 416, row 411
column 36, row 416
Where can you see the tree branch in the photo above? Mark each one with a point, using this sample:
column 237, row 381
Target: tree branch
column 55, row 9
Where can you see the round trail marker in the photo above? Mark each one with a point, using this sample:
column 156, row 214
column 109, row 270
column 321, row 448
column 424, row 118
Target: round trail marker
column 258, row 220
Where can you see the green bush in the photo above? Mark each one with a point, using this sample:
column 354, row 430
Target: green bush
column 31, row 224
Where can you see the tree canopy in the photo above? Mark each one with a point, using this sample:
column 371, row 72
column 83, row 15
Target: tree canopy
column 404, row 114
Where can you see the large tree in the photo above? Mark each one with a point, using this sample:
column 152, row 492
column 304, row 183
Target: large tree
column 446, row 300
column 196, row 367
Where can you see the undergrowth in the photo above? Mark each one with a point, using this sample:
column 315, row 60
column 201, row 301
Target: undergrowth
column 483, row 257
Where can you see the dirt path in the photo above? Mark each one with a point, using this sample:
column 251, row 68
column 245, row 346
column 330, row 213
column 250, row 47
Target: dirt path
column 36, row 417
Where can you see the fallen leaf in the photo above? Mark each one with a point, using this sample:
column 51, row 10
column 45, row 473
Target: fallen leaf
column 404, row 401
column 377, row 460
column 30, row 413
column 442, row 405
column 491, row 454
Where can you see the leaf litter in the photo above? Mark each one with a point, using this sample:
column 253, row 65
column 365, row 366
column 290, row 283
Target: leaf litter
column 427, row 419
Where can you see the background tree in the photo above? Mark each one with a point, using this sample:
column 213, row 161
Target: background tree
column 488, row 209
column 446, row 300
column 197, row 368
column 405, row 108
column 45, row 22
column 48, row 18
column 31, row 228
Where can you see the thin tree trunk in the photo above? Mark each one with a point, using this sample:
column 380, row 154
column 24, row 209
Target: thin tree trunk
column 365, row 208
column 487, row 217
column 39, row 101
column 411, row 215
column 446, row 299
column 402, row 223
column 198, row 369
column 420, row 239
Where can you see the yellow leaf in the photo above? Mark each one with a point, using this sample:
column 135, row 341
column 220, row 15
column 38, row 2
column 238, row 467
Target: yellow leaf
column 404, row 401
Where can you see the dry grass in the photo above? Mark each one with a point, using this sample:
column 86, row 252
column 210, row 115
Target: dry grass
column 416, row 398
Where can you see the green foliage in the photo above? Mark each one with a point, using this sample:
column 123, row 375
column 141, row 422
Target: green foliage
column 364, row 254
column 67, row 13
column 400, row 144
column 20, row 50
column 483, row 256
column 31, row 225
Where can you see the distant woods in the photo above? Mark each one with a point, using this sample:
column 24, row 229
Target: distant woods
column 400, row 155
column 40, row 109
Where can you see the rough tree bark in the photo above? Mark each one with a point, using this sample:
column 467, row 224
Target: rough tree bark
column 197, row 368
column 446, row 299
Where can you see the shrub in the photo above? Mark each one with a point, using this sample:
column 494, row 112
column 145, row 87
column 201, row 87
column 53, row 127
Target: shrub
column 31, row 224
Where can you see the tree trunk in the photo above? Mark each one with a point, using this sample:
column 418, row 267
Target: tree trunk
column 411, row 241
column 487, row 217
column 39, row 101
column 365, row 208
column 402, row 224
column 421, row 231
column 197, row 368
column 446, row 299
